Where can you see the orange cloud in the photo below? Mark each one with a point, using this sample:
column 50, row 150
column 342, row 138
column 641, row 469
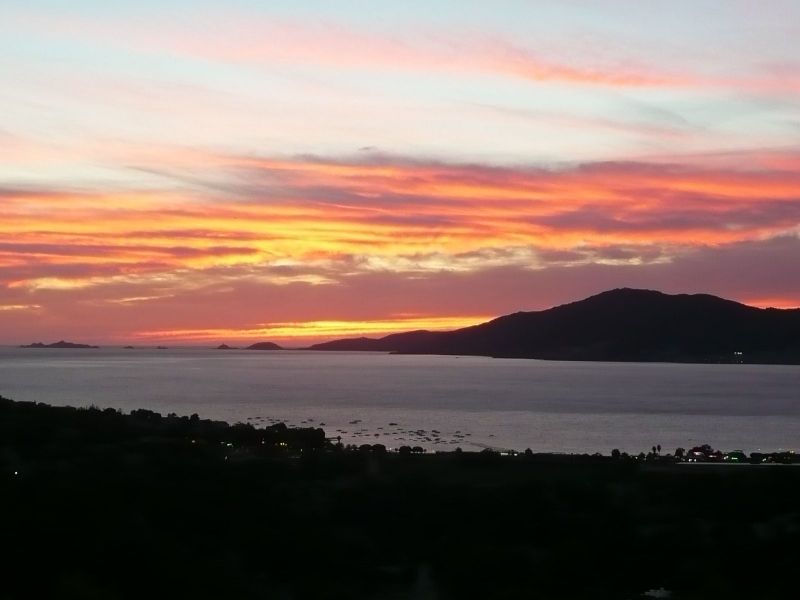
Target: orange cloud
column 264, row 211
column 228, row 300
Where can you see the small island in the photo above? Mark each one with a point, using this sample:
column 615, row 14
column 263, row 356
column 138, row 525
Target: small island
column 264, row 346
column 59, row 344
column 224, row 347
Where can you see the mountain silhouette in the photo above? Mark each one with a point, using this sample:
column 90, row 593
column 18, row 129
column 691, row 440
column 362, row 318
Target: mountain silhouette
column 617, row 325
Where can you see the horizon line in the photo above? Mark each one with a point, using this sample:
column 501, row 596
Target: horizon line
column 311, row 332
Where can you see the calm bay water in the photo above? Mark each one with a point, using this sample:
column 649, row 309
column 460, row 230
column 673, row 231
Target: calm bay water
column 470, row 401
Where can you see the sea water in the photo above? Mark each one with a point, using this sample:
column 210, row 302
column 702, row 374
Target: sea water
column 438, row 402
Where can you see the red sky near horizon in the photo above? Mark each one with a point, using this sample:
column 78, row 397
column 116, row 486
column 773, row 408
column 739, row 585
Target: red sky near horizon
column 206, row 173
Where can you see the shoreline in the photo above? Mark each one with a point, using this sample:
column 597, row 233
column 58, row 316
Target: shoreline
column 232, row 350
column 252, row 432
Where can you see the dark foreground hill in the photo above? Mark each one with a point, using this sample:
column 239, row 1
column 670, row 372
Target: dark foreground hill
column 98, row 504
column 618, row 325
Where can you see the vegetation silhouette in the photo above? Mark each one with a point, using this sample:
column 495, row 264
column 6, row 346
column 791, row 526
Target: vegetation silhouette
column 100, row 504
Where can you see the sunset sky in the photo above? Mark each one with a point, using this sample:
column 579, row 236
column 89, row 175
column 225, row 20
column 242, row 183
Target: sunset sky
column 195, row 172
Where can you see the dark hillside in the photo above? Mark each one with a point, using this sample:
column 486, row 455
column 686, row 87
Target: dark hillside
column 99, row 504
column 618, row 325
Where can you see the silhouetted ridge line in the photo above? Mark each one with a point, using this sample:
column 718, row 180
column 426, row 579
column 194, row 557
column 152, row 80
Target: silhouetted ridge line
column 59, row 344
column 616, row 325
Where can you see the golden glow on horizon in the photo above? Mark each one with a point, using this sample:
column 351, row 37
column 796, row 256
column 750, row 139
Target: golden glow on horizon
column 317, row 330
column 782, row 303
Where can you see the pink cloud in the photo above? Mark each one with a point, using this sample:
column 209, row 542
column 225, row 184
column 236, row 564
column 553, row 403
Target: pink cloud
column 251, row 40
column 258, row 40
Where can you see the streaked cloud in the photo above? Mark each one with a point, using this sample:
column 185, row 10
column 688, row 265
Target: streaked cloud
column 309, row 169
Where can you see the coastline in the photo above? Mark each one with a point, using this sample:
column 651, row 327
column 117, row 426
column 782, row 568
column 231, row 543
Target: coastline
column 472, row 402
column 253, row 440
